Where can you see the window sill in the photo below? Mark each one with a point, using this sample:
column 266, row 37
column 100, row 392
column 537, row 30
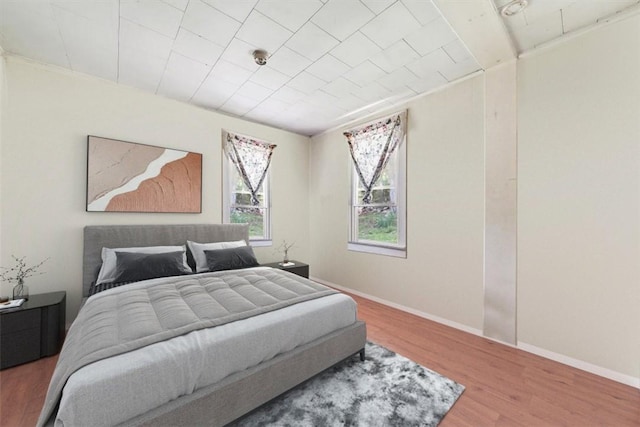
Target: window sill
column 259, row 243
column 378, row 250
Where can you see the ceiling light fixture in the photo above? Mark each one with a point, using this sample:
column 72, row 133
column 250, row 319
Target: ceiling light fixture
column 513, row 7
column 260, row 56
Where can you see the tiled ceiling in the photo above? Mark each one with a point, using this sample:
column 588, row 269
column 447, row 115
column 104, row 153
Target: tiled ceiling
column 331, row 61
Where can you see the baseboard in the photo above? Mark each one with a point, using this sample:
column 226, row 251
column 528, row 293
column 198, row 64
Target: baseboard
column 560, row 358
column 418, row 313
column 582, row 365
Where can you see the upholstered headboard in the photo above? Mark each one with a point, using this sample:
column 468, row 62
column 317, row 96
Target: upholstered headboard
column 119, row 236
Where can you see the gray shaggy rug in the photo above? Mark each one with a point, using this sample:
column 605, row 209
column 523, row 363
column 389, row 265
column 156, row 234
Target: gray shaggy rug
column 384, row 390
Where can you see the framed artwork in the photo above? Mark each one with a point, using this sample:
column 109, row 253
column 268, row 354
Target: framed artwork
column 129, row 177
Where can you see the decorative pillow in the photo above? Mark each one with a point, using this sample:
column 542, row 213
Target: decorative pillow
column 197, row 250
column 136, row 266
column 108, row 268
column 231, row 258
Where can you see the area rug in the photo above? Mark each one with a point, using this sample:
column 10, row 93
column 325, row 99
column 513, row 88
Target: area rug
column 384, row 390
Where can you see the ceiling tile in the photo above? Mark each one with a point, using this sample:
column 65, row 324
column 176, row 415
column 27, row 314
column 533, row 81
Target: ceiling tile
column 341, row 87
column 373, row 92
column 288, row 62
column 230, row 72
column 178, row 4
column 434, row 61
column 355, row 50
column 239, row 105
column 240, row 53
column 311, row 42
column 305, row 82
column 391, row 25
column 139, row 68
column 398, row 96
column 428, row 82
column 197, row 48
column 214, row 92
column 269, row 107
column 104, row 14
column 152, row 14
column 398, row 79
column 364, row 73
column 423, row 10
column 254, row 91
column 140, row 38
column 308, row 113
column 82, row 37
column 543, row 29
column 290, row 14
column 287, row 94
column 321, row 99
column 542, row 8
column 270, row 78
column 341, row 18
column 198, row 19
column 457, row 51
column 377, row 6
column 237, row 9
column 459, row 69
column 328, row 68
column 42, row 42
column 582, row 14
column 431, row 37
column 260, row 114
column 350, row 102
column 263, row 32
column 395, row 56
column 182, row 77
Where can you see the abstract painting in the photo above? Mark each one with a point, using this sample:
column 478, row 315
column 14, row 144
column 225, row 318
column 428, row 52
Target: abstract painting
column 129, row 177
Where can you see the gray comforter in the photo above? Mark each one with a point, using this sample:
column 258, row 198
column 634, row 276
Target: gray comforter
column 134, row 316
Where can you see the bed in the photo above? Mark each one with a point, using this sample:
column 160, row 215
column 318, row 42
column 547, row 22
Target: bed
column 208, row 371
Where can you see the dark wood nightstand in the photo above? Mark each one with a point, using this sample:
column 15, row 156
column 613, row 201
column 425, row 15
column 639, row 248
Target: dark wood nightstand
column 300, row 268
column 33, row 330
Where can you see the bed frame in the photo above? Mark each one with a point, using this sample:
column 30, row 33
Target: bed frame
column 238, row 394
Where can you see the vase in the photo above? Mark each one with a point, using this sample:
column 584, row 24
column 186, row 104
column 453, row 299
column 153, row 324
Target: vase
column 21, row 291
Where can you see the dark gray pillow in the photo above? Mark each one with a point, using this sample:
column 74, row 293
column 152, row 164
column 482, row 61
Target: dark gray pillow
column 231, row 258
column 136, row 266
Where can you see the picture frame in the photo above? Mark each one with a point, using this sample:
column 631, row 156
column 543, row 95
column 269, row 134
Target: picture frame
column 131, row 177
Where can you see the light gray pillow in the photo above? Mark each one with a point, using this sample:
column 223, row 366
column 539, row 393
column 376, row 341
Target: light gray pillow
column 108, row 270
column 197, row 250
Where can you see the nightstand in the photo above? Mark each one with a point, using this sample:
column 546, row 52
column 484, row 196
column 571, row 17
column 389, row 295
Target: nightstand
column 33, row 330
column 300, row 268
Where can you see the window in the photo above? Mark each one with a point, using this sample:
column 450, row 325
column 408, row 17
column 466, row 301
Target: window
column 246, row 185
column 378, row 187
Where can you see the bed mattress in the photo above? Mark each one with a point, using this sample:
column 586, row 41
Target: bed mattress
column 113, row 390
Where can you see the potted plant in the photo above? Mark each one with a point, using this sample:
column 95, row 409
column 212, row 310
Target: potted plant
column 18, row 273
column 284, row 248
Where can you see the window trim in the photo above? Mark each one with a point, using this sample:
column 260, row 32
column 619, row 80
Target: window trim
column 256, row 241
column 369, row 246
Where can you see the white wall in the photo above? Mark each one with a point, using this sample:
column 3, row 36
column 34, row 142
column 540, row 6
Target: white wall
column 578, row 212
column 45, row 125
column 579, row 198
column 443, row 272
column 3, row 109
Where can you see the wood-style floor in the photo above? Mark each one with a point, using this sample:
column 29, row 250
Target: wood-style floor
column 504, row 386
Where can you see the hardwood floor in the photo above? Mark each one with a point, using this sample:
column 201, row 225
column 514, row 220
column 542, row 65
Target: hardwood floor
column 504, row 386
